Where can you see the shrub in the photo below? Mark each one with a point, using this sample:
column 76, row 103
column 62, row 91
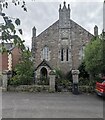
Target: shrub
column 69, row 76
column 59, row 74
column 43, row 81
column 20, row 80
column 83, row 73
column 23, row 70
column 86, row 89
column 84, row 81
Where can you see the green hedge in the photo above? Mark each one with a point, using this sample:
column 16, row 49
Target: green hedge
column 29, row 88
column 87, row 89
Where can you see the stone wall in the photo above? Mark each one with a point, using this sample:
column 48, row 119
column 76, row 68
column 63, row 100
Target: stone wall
column 29, row 88
column 41, row 88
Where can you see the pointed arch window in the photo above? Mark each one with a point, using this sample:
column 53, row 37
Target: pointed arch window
column 81, row 52
column 46, row 53
column 62, row 54
column 67, row 54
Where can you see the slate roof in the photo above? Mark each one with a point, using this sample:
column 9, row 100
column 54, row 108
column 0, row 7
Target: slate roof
column 44, row 63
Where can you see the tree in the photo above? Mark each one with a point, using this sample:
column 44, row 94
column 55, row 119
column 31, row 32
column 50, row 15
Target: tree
column 24, row 70
column 103, row 52
column 7, row 29
column 94, row 56
column 83, row 73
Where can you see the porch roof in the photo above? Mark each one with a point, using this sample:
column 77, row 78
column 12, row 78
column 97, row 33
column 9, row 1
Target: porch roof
column 44, row 63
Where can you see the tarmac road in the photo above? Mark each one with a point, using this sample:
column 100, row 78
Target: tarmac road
column 51, row 105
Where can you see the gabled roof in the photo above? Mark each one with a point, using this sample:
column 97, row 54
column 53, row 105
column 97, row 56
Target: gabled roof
column 44, row 63
column 57, row 23
column 44, row 31
column 72, row 21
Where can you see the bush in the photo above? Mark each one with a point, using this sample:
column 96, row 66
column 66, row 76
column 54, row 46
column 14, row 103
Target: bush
column 61, row 84
column 23, row 71
column 59, row 74
column 84, row 81
column 83, row 73
column 86, row 89
column 69, row 76
column 63, row 81
column 20, row 80
column 43, row 81
column 29, row 88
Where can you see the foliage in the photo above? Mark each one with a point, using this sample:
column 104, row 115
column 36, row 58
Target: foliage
column 59, row 74
column 87, row 89
column 43, row 81
column 24, row 70
column 93, row 56
column 87, row 82
column 69, row 76
column 83, row 73
column 84, row 76
column 63, row 79
column 8, row 30
column 103, row 52
column 63, row 82
column 22, row 3
column 29, row 88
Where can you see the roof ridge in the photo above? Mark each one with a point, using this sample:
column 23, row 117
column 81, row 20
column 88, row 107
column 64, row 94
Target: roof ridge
column 81, row 27
column 58, row 21
column 47, row 28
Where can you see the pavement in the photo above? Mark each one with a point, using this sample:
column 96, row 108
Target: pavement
column 51, row 105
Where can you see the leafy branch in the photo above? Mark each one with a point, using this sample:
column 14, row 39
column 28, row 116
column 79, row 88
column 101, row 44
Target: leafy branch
column 8, row 29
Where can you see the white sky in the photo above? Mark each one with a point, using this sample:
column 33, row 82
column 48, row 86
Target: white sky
column 43, row 13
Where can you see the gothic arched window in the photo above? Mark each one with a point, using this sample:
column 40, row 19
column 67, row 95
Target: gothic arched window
column 46, row 53
column 62, row 54
column 67, row 54
column 81, row 53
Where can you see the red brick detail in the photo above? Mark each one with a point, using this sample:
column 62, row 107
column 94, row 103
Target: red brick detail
column 4, row 60
column 16, row 55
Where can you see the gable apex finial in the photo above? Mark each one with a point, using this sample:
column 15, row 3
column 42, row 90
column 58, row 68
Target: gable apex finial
column 64, row 3
column 64, row 7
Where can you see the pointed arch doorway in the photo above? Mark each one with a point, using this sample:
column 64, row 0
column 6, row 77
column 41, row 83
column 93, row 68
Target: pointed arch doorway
column 44, row 73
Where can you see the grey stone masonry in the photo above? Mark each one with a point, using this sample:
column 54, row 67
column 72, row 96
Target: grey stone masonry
column 75, row 74
column 52, row 80
column 95, row 31
column 33, row 43
column 65, row 40
column 4, row 81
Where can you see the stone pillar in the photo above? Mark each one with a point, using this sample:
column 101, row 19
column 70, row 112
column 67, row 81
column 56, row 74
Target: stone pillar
column 52, row 81
column 4, row 81
column 95, row 31
column 75, row 74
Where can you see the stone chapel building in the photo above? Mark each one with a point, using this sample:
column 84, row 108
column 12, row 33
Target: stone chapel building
column 61, row 45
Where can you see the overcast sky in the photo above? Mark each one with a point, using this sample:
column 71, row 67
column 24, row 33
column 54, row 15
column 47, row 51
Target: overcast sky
column 43, row 13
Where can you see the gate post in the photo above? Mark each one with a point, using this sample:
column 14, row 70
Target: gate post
column 52, row 80
column 75, row 74
column 4, row 81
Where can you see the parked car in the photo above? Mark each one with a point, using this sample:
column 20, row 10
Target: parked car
column 100, row 87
